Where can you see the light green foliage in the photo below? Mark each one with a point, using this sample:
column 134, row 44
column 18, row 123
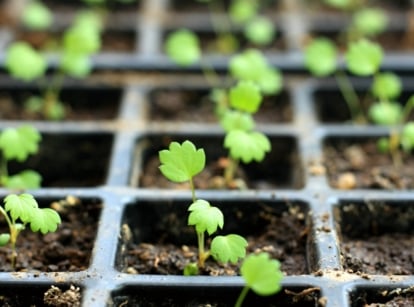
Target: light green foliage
column 247, row 146
column 245, row 96
column 253, row 66
column 386, row 86
column 24, row 63
column 262, row 274
column 260, row 31
column 229, row 248
column 321, row 57
column 21, row 210
column 236, row 120
column 205, row 217
column 182, row 47
column 386, row 113
column 364, row 57
column 340, row 4
column 18, row 144
column 181, row 162
column 370, row 21
column 407, row 137
column 81, row 39
column 241, row 11
column 37, row 16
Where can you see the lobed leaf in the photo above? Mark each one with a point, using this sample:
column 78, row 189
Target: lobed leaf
column 386, row 113
column 181, row 162
column 248, row 65
column 260, row 31
column 182, row 46
column 20, row 206
column 19, row 143
column 262, row 274
column 321, row 57
column 27, row 179
column 370, row 21
column 241, row 11
column 270, row 81
column 245, row 96
column 228, row 248
column 44, row 220
column 247, row 146
column 236, row 120
column 37, row 16
column 205, row 217
column 364, row 57
column 387, row 86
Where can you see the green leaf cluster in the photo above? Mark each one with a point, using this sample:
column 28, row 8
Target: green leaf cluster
column 18, row 144
column 36, row 16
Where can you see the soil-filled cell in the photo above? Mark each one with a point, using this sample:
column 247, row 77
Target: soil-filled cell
column 157, row 240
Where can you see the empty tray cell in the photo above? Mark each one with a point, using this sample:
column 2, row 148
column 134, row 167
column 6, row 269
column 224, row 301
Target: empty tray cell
column 280, row 168
column 163, row 243
column 81, row 103
column 70, row 160
column 357, row 163
column 215, row 295
column 376, row 237
column 69, row 249
column 195, row 105
column 123, row 41
column 382, row 296
column 15, row 294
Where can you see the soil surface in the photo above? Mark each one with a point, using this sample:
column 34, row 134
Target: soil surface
column 282, row 235
column 196, row 106
column 66, row 250
column 359, row 165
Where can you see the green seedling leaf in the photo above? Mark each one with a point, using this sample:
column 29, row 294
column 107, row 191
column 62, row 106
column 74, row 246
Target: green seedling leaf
column 248, row 65
column 386, row 113
column 364, row 57
column 27, row 179
column 262, row 274
column 20, row 206
column 370, row 21
column 25, row 63
column 247, row 146
column 260, row 31
column 321, row 57
column 270, row 81
column 76, row 65
column 246, row 97
column 236, row 120
column 383, row 145
column 340, row 4
column 387, row 86
column 81, row 39
column 44, row 220
column 241, row 11
column 19, row 143
column 407, row 137
column 89, row 19
column 228, row 248
column 4, row 239
column 183, row 47
column 205, row 217
column 191, row 269
column 181, row 162
column 37, row 16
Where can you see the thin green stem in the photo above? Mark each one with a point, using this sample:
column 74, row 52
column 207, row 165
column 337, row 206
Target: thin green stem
column 230, row 170
column 242, row 296
column 51, row 93
column 4, row 175
column 193, row 196
column 14, row 232
column 350, row 96
column 201, row 252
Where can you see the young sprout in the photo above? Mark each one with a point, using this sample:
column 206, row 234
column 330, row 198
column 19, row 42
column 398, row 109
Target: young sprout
column 36, row 16
column 180, row 163
column 18, row 144
column 23, row 62
column 260, row 31
column 20, row 211
column 182, row 46
column 261, row 274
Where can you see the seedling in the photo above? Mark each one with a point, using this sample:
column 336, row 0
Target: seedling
column 261, row 274
column 20, row 211
column 36, row 16
column 18, row 144
column 25, row 63
column 180, row 163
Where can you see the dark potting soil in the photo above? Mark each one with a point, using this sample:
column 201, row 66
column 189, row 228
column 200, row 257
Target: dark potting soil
column 359, row 165
column 283, row 235
column 196, row 106
column 66, row 250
